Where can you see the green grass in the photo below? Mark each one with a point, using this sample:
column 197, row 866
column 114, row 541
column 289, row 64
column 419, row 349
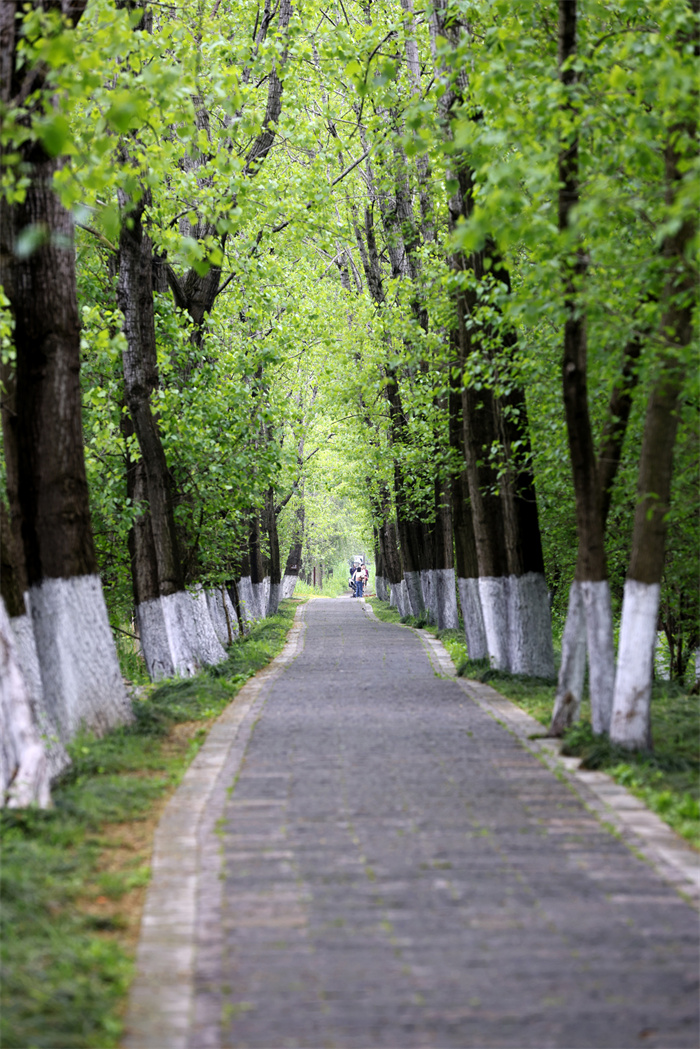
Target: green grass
column 65, row 973
column 667, row 779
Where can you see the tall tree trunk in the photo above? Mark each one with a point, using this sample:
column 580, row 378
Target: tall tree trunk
column 398, row 592
column 257, row 571
column 591, row 569
column 567, row 702
column 293, row 565
column 273, row 540
column 631, row 723
column 463, row 529
column 443, row 582
column 408, row 526
column 245, row 606
column 80, row 673
column 176, row 632
column 529, row 615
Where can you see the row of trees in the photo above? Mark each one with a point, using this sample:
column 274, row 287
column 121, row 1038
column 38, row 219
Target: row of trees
column 251, row 254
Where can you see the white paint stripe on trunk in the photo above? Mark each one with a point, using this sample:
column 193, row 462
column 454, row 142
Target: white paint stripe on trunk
column 414, row 602
column 155, row 643
column 473, row 618
column 28, row 658
column 601, row 654
column 493, row 593
column 24, row 769
column 289, row 583
column 80, row 673
column 210, row 651
column 259, row 600
column 403, row 599
column 274, row 598
column 246, row 597
column 567, row 702
column 215, row 605
column 427, row 582
column 530, row 626
column 631, row 705
column 446, row 598
column 178, row 616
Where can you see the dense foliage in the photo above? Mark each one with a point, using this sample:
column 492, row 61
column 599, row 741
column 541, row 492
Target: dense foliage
column 282, row 382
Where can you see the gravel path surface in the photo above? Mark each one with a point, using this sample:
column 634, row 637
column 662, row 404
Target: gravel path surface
column 399, row 871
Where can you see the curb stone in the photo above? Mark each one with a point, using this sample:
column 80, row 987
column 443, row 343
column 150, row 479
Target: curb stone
column 161, row 1001
column 642, row 830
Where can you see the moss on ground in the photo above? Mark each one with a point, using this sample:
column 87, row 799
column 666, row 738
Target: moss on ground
column 667, row 779
column 72, row 875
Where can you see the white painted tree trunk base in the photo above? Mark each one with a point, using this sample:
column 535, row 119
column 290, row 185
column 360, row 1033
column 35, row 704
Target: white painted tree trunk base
column 427, row 581
column 403, row 604
column 631, row 723
column 530, row 626
column 220, row 609
column 289, row 583
column 155, row 643
column 82, row 682
column 178, row 614
column 24, row 767
column 28, row 658
column 413, row 589
column 210, row 651
column 259, row 601
column 246, row 598
column 265, row 600
column 445, row 590
column 473, row 618
column 380, row 586
column 567, row 702
column 601, row 653
column 493, row 593
column 274, row 598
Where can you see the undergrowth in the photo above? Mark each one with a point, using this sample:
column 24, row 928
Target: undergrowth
column 65, row 972
column 667, row 779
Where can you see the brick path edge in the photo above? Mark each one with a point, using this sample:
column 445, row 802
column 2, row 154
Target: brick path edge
column 161, row 1000
column 642, row 830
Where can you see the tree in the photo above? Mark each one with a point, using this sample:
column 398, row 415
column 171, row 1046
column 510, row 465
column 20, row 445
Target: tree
column 631, row 724
column 80, row 674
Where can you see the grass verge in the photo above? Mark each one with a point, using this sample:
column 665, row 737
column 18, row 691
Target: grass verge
column 666, row 779
column 74, row 877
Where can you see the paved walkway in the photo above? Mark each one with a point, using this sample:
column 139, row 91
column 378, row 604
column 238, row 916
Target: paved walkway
column 399, row 871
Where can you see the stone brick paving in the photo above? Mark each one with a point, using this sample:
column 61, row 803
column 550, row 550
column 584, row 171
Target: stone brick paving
column 399, row 872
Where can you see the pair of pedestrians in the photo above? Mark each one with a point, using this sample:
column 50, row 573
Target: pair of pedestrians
column 358, row 580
